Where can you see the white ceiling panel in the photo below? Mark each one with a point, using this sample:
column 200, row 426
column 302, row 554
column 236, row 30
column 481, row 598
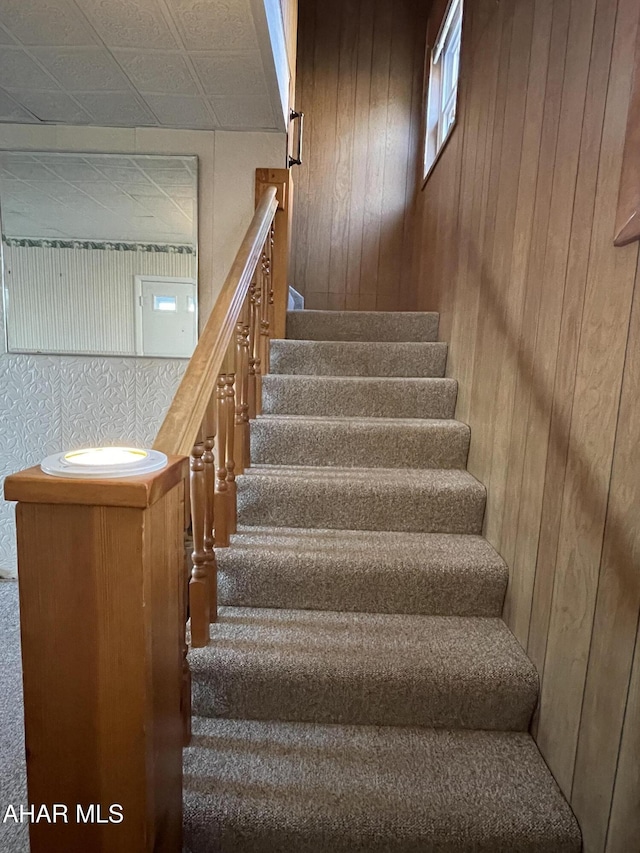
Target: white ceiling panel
column 83, row 69
column 159, row 73
column 12, row 111
column 202, row 64
column 129, row 23
column 19, row 71
column 56, row 22
column 87, row 197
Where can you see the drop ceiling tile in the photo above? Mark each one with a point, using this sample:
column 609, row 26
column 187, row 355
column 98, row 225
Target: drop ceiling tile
column 5, row 38
column 115, row 108
column 236, row 114
column 181, row 111
column 19, row 71
column 231, row 74
column 11, row 111
column 224, row 25
column 83, row 69
column 157, row 72
column 75, row 171
column 57, row 22
column 53, row 106
column 129, row 23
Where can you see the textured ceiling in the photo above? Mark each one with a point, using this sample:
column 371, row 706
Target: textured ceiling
column 199, row 64
column 99, row 197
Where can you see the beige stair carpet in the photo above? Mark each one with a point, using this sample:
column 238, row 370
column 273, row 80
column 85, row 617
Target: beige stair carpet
column 361, row 693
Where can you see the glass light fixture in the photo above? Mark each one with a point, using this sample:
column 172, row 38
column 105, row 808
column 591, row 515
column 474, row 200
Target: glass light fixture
column 104, row 463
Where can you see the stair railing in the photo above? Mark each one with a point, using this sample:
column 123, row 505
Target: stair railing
column 208, row 419
column 103, row 584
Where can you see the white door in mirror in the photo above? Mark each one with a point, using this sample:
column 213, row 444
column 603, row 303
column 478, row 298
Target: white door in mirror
column 166, row 317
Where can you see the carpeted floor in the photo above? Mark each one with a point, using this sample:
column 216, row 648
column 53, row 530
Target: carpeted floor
column 13, row 781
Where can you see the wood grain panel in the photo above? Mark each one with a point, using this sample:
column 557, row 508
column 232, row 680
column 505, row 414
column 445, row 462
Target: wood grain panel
column 359, row 75
column 536, row 302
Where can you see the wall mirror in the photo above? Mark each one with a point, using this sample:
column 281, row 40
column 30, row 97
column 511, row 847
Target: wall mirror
column 99, row 253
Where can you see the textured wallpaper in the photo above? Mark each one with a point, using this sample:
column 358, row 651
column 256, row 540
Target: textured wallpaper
column 52, row 403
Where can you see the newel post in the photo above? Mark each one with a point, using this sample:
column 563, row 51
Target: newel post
column 101, row 569
column 280, row 179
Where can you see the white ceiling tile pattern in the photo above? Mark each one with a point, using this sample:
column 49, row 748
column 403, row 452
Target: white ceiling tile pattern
column 172, row 63
column 99, row 197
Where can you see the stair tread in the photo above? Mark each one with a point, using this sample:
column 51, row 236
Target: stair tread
column 269, row 787
column 345, row 420
column 437, row 477
column 375, row 326
column 448, row 647
column 449, row 550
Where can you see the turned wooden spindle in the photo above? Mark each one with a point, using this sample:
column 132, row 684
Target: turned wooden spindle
column 221, row 499
column 210, row 484
column 230, row 393
column 185, row 694
column 241, row 425
column 255, row 383
column 198, row 585
column 265, row 293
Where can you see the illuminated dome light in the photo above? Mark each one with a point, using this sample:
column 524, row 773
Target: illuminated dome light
column 104, row 463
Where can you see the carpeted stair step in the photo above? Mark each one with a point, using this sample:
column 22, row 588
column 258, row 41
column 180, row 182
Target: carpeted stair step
column 362, row 326
column 359, row 442
column 348, row 396
column 427, row 501
column 362, row 571
column 268, row 787
column 341, row 358
column 364, row 668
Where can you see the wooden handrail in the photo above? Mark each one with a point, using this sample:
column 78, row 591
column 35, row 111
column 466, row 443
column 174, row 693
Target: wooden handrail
column 181, row 427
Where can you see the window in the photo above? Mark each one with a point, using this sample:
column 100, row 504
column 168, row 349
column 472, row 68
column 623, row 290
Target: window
column 443, row 84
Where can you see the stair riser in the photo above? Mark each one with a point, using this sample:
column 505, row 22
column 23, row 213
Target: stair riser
column 239, row 688
column 361, row 326
column 321, row 358
column 302, row 395
column 320, row 581
column 353, row 505
column 353, row 444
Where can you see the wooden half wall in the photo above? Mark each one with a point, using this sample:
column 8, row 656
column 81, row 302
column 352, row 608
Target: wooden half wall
column 514, row 246
column 359, row 83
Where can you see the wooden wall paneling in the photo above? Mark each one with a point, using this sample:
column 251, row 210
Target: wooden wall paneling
column 483, row 386
column 624, row 823
column 597, row 390
column 358, row 83
column 414, row 178
column 566, row 366
column 400, row 155
column 360, row 148
column 551, row 291
column 526, row 526
column 616, row 618
column 376, row 150
column 304, row 89
column 498, row 286
column 523, row 227
column 485, row 55
column 322, row 155
column 348, row 21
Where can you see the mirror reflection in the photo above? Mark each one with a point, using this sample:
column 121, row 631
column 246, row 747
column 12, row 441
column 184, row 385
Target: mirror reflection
column 99, row 253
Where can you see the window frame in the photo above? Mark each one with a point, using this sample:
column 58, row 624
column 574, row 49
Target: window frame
column 449, row 35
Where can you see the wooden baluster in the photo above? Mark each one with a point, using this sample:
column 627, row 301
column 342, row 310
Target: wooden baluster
column 221, row 502
column 241, row 426
column 230, row 411
column 198, row 585
column 255, row 376
column 265, row 278
column 210, row 484
column 185, row 695
column 271, row 312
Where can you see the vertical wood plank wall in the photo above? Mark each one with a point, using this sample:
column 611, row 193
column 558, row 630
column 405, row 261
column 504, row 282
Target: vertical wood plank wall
column 359, row 83
column 514, row 245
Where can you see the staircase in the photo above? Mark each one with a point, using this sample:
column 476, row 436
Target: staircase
column 361, row 692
